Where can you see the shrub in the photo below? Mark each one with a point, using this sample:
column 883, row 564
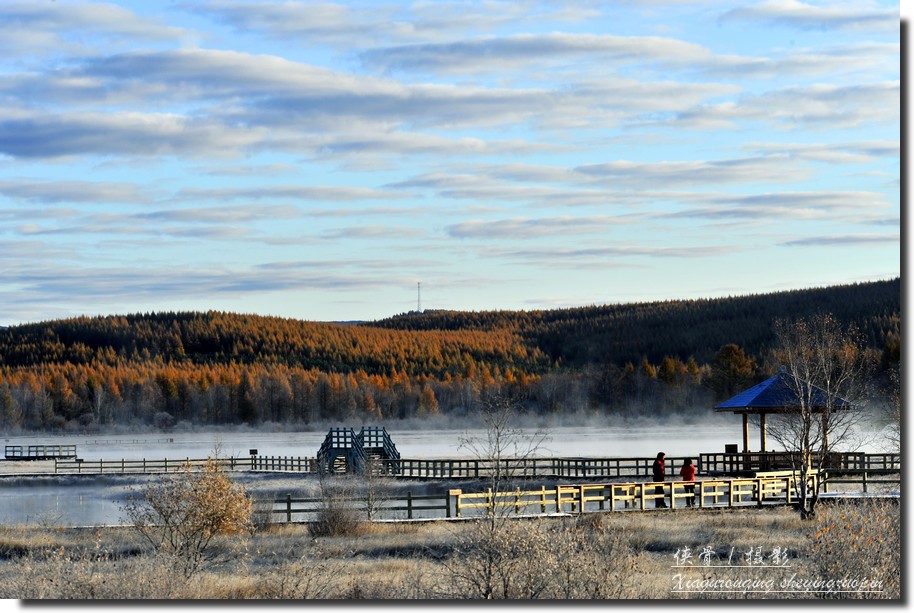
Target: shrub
column 858, row 540
column 181, row 515
column 336, row 519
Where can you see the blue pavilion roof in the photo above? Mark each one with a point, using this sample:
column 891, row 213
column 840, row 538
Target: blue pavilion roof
column 778, row 393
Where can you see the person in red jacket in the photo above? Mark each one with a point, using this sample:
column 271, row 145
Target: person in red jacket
column 659, row 474
column 687, row 472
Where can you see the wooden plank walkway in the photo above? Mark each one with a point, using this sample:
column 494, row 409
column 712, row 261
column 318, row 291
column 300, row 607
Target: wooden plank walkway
column 763, row 491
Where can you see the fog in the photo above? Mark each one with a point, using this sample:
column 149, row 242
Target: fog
column 83, row 500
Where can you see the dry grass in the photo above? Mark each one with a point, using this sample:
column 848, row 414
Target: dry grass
column 618, row 555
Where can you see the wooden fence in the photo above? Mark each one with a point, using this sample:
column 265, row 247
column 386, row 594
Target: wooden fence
column 98, row 467
column 39, row 452
column 144, row 466
column 770, row 490
column 527, row 468
column 730, row 463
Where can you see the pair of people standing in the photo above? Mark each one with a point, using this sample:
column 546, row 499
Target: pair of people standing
column 687, row 472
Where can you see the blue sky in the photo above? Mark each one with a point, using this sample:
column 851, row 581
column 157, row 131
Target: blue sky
column 317, row 160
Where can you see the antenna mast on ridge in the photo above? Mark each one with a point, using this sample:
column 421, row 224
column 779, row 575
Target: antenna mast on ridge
column 418, row 297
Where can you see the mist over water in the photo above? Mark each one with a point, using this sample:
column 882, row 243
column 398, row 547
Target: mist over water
column 77, row 501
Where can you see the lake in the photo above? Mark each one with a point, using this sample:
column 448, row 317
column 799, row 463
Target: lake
column 74, row 500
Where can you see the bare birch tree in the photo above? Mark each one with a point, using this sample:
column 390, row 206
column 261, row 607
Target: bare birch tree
column 826, row 368
column 492, row 561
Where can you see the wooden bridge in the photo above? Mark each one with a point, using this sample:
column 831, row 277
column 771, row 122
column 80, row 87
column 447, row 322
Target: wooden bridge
column 371, row 449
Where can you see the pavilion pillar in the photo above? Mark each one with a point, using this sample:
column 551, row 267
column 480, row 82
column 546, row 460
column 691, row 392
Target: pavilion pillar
column 825, row 431
column 745, row 433
column 763, row 432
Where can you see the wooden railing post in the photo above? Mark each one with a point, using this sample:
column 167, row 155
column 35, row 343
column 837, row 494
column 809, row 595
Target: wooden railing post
column 643, row 505
column 288, row 508
column 409, row 504
column 456, row 494
column 581, row 495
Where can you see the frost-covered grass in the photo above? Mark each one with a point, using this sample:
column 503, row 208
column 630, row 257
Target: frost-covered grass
column 619, row 555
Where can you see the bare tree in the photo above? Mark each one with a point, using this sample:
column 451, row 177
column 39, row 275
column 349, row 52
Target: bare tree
column 826, row 368
column 492, row 561
column 505, row 447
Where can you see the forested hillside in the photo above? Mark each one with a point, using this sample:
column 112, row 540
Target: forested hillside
column 160, row 369
column 682, row 328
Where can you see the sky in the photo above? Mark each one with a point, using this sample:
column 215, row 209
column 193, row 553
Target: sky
column 320, row 160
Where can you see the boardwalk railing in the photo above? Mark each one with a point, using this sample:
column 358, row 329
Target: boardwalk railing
column 538, row 468
column 39, row 452
column 730, row 463
column 93, row 467
column 257, row 463
column 761, row 491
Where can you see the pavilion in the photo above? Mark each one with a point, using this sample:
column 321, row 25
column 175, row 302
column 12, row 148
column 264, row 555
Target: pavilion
column 776, row 395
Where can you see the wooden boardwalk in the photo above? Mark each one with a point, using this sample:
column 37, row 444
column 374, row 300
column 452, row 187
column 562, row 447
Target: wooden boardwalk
column 716, row 465
column 759, row 492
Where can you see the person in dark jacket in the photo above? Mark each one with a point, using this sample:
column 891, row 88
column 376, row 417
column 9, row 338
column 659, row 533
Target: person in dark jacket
column 659, row 474
column 687, row 472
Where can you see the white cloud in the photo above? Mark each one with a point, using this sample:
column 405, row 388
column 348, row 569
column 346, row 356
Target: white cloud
column 836, row 16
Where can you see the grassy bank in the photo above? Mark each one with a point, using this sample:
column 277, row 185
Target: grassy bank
column 633, row 556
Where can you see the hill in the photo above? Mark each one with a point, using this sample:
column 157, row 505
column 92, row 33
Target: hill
column 681, row 328
column 219, row 367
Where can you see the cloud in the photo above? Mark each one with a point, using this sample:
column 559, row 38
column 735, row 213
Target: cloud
column 306, row 24
column 765, row 169
column 864, row 58
column 52, row 135
column 836, row 153
column 59, row 284
column 820, row 107
column 512, row 53
column 224, row 214
column 526, row 228
column 303, row 193
column 602, row 255
column 31, row 28
column 846, row 240
column 55, row 191
column 781, row 206
column 793, row 13
column 246, row 103
column 369, row 23
column 375, row 232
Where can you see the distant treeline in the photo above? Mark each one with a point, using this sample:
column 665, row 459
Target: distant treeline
column 222, row 368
